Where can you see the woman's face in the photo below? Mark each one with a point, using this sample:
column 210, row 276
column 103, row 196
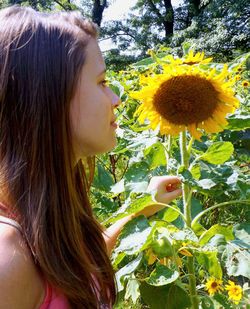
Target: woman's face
column 92, row 108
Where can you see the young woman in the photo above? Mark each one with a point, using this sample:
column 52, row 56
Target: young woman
column 55, row 109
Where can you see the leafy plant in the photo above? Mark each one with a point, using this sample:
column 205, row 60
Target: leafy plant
column 196, row 244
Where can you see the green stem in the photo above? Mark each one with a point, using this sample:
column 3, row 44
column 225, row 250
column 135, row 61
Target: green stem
column 217, row 206
column 185, row 155
column 169, row 140
column 168, row 206
column 116, row 218
column 185, row 187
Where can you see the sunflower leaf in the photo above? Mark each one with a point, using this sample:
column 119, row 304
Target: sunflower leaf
column 218, row 153
column 162, row 275
column 133, row 236
column 238, row 122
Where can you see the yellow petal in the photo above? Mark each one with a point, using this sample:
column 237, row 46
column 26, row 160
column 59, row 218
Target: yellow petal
column 212, row 126
column 193, row 131
column 185, row 252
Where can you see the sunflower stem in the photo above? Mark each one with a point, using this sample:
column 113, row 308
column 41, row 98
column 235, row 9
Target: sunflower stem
column 185, row 187
column 185, row 155
column 169, row 141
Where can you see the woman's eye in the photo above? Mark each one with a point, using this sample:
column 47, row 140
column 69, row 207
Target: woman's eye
column 104, row 82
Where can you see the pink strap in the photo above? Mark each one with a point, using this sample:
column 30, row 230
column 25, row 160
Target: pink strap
column 10, row 213
column 48, row 296
column 53, row 299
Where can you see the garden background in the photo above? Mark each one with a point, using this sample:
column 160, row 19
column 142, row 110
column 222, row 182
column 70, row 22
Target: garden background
column 195, row 252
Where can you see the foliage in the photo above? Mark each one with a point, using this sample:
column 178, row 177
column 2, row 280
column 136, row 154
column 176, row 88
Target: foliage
column 152, row 256
column 89, row 9
column 218, row 26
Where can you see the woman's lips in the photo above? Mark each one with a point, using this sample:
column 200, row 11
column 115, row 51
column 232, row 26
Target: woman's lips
column 114, row 124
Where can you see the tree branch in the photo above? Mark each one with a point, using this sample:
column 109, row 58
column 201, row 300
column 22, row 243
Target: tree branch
column 66, row 8
column 155, row 10
column 118, row 34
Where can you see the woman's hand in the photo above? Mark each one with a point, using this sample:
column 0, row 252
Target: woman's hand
column 167, row 188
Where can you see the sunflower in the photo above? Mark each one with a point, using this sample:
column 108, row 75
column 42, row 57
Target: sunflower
column 188, row 59
column 213, row 285
column 234, row 291
column 185, row 96
column 245, row 83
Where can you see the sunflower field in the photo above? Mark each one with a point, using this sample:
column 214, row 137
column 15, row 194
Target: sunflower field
column 185, row 116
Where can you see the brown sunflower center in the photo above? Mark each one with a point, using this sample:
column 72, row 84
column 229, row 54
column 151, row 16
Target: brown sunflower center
column 186, row 99
column 190, row 62
column 214, row 285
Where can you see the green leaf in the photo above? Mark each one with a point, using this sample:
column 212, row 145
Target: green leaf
column 198, row 229
column 185, row 234
column 188, row 177
column 132, row 290
column 218, row 153
column 218, row 241
column 131, row 207
column 126, row 270
column 216, row 229
column 103, row 180
column 144, row 62
column 137, row 172
column 133, row 236
column 196, row 207
column 178, row 298
column 237, row 260
column 170, row 296
column 155, row 297
column 210, row 261
column 223, row 300
column 162, row 275
column 136, row 177
column 136, row 186
column 170, row 214
column 238, row 122
column 155, row 155
column 206, row 183
column 196, row 171
column 242, row 232
column 207, row 303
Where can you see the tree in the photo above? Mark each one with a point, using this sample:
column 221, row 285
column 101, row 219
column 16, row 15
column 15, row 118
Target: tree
column 220, row 27
column 97, row 11
column 93, row 9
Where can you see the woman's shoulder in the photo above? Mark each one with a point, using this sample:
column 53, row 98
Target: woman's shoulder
column 21, row 285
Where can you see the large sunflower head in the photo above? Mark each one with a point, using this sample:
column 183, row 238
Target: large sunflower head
column 186, row 97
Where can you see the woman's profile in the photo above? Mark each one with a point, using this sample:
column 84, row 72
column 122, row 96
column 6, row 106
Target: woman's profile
column 55, row 109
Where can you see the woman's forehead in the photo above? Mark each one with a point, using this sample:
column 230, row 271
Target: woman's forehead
column 94, row 59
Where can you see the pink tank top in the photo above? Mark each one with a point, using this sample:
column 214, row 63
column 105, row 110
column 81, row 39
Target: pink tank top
column 53, row 299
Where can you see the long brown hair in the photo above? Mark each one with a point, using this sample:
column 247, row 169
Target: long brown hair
column 41, row 56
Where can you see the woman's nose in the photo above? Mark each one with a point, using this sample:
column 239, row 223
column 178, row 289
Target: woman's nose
column 116, row 101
